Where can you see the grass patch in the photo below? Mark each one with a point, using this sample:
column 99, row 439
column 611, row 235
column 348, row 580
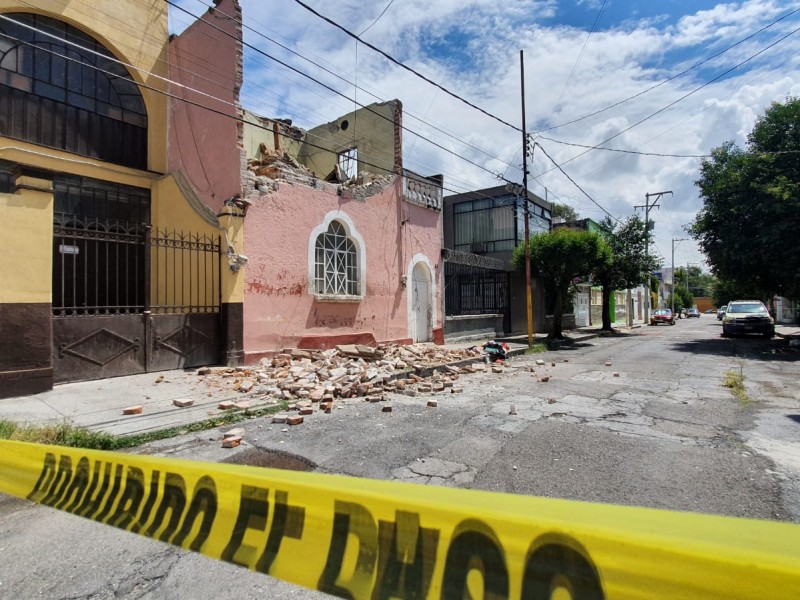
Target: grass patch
column 67, row 434
column 537, row 348
column 734, row 381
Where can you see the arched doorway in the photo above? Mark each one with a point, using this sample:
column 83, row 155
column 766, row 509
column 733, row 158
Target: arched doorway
column 421, row 317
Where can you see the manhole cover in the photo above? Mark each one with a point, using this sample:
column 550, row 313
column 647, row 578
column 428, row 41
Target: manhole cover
column 273, row 459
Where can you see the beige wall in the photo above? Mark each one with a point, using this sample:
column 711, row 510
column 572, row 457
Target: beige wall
column 370, row 129
column 135, row 33
column 26, row 262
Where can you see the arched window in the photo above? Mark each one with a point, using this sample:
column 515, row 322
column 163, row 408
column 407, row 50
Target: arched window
column 62, row 89
column 336, row 263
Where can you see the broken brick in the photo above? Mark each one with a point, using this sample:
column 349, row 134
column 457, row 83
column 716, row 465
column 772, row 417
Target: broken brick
column 232, row 442
column 182, row 402
column 226, row 405
column 133, row 410
column 294, row 420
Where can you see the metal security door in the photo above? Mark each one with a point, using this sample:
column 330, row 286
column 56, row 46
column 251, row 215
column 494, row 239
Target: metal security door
column 128, row 300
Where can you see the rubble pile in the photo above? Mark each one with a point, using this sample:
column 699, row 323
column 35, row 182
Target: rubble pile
column 349, row 371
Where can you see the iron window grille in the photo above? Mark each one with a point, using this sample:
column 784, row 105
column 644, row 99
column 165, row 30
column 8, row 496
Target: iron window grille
column 336, row 263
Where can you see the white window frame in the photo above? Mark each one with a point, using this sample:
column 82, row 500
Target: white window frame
column 358, row 249
column 348, row 162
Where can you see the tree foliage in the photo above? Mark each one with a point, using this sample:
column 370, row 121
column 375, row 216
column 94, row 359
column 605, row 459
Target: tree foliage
column 630, row 264
column 751, row 206
column 562, row 211
column 725, row 290
column 558, row 258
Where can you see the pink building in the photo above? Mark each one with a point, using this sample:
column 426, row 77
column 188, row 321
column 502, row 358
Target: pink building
column 342, row 244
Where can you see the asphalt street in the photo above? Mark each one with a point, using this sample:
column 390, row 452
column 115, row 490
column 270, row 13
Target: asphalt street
column 636, row 419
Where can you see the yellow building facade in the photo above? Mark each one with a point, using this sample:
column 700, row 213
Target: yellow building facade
column 115, row 261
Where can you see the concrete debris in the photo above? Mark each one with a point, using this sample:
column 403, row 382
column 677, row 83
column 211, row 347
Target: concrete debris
column 182, row 402
column 608, row 363
column 540, row 362
column 235, row 432
column 306, row 377
column 513, row 409
column 545, row 379
column 231, row 442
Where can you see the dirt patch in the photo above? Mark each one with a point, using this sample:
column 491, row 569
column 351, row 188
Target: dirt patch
column 272, row 459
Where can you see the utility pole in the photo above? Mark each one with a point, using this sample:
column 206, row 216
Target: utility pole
column 528, row 296
column 647, row 206
column 673, row 273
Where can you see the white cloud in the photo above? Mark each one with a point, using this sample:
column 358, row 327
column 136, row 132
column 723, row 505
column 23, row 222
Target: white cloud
column 474, row 51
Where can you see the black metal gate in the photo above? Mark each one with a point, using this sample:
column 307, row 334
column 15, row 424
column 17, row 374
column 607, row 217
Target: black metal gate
column 127, row 299
column 474, row 287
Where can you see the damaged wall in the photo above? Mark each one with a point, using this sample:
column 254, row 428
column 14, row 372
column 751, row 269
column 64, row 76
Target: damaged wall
column 373, row 130
column 206, row 145
column 281, row 310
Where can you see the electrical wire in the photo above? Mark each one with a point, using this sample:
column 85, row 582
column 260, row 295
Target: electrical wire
column 549, row 139
column 557, row 166
column 404, row 66
column 673, row 103
column 684, row 72
column 348, row 82
column 333, row 90
column 378, row 19
column 580, row 56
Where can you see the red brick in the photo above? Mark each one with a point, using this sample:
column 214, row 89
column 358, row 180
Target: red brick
column 133, row 410
column 294, row 420
column 232, row 442
column 226, row 405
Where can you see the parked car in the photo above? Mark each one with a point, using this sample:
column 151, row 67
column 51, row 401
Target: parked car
column 692, row 312
column 662, row 315
column 721, row 312
column 747, row 316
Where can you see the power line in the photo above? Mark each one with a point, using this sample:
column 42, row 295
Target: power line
column 178, row 98
column 580, row 55
column 345, row 80
column 557, row 166
column 623, row 151
column 380, row 16
column 673, row 103
column 333, row 90
column 406, row 67
column 682, row 73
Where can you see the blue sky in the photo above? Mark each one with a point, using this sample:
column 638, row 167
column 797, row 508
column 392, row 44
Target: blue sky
column 471, row 47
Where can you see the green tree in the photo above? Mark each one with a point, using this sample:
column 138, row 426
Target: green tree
column 725, row 290
column 630, row 265
column 558, row 258
column 751, row 206
column 562, row 211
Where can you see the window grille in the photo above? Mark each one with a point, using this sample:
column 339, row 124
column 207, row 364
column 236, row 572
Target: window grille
column 336, row 263
column 62, row 89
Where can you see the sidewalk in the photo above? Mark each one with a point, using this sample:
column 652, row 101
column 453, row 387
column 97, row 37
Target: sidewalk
column 97, row 405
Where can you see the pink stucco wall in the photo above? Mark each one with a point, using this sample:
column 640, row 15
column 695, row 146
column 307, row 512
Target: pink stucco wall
column 278, row 309
column 205, row 144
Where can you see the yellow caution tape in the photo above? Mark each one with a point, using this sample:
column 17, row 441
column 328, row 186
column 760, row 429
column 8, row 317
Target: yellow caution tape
column 358, row 538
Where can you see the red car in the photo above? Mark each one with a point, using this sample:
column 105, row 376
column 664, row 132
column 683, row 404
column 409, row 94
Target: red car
column 662, row 315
